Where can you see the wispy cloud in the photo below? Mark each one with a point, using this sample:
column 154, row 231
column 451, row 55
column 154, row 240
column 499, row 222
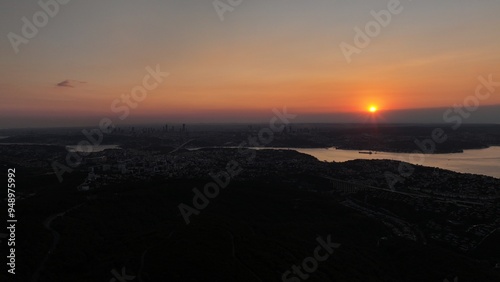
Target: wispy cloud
column 70, row 83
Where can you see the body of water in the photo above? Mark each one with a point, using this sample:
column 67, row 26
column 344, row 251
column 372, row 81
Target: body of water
column 481, row 161
column 91, row 149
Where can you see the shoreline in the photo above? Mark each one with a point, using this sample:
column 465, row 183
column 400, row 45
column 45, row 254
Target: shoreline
column 374, row 152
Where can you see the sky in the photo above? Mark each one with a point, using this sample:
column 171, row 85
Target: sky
column 238, row 63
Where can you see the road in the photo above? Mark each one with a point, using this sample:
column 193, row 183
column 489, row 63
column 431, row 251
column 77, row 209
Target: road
column 55, row 240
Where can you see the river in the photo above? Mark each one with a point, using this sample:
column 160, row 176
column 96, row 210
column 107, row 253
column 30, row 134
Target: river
column 481, row 161
column 91, row 149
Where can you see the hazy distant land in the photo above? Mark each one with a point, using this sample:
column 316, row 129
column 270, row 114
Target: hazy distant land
column 370, row 137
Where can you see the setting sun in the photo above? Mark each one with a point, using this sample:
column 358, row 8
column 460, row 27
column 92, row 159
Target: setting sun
column 372, row 109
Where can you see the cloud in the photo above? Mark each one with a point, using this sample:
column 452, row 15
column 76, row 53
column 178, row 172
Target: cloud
column 70, row 83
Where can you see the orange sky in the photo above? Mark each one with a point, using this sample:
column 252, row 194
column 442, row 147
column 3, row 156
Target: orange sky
column 263, row 55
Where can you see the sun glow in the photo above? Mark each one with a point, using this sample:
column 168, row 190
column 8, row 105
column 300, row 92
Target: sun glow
column 372, row 109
